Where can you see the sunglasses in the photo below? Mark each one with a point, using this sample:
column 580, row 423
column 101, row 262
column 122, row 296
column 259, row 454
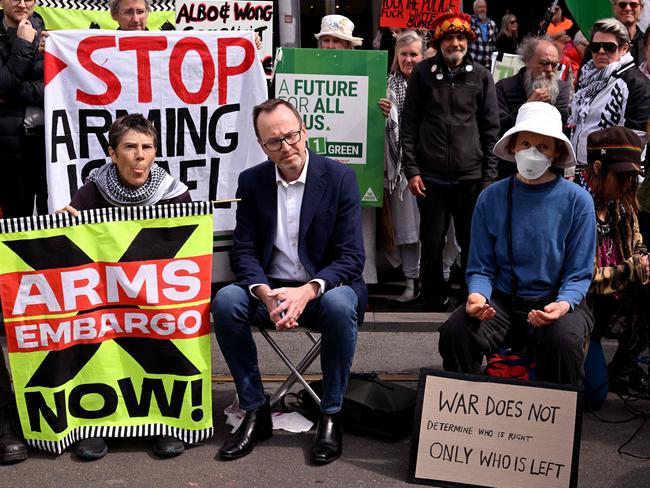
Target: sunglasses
column 632, row 5
column 513, row 22
column 608, row 47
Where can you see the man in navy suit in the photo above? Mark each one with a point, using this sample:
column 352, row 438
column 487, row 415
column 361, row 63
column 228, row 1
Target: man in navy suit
column 298, row 257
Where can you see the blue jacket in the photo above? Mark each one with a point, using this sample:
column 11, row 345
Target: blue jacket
column 330, row 243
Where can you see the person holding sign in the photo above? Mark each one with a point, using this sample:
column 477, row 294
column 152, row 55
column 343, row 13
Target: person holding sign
column 336, row 33
column 621, row 260
column 131, row 15
column 450, row 123
column 298, row 257
column 531, row 258
column 131, row 178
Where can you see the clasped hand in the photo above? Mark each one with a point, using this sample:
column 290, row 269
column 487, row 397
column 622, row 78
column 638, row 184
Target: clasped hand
column 286, row 304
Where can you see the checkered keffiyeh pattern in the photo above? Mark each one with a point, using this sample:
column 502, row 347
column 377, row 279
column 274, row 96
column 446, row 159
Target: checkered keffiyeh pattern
column 480, row 50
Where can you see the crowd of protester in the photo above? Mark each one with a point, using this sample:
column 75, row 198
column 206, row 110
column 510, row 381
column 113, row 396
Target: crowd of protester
column 541, row 174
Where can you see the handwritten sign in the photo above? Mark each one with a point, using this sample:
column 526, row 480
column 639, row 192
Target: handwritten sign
column 484, row 431
column 414, row 14
column 256, row 16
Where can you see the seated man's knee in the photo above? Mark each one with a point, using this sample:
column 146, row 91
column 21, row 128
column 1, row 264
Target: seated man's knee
column 229, row 300
column 340, row 303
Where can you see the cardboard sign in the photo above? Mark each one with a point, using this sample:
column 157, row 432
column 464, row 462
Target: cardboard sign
column 108, row 325
column 198, row 88
column 415, row 14
column 484, row 431
column 231, row 16
column 336, row 92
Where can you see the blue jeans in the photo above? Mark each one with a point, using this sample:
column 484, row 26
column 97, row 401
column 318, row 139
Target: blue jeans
column 334, row 315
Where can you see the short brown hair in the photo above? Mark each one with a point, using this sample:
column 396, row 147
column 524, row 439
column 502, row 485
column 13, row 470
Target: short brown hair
column 269, row 106
column 135, row 122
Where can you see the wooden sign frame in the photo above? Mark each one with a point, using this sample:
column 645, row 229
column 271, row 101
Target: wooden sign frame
column 467, row 430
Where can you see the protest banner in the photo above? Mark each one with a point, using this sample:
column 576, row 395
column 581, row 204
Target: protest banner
column 415, row 14
column 94, row 14
column 505, row 65
column 107, row 322
column 197, row 88
column 486, row 431
column 336, row 92
column 256, row 16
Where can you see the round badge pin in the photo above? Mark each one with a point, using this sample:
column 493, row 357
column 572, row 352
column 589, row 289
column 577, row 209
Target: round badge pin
column 469, row 67
column 439, row 76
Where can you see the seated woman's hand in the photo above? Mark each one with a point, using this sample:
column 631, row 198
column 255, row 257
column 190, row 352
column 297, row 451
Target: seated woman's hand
column 384, row 105
column 477, row 307
column 68, row 209
column 551, row 312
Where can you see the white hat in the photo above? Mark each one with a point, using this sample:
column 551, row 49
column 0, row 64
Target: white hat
column 339, row 27
column 540, row 118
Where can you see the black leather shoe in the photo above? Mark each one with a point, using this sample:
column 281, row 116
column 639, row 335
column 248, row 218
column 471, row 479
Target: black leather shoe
column 92, row 448
column 256, row 426
column 167, row 446
column 12, row 449
column 328, row 443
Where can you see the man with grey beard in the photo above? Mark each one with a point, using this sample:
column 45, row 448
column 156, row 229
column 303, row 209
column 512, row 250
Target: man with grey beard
column 449, row 126
column 536, row 82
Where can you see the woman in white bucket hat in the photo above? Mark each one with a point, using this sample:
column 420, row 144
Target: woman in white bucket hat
column 530, row 260
column 336, row 33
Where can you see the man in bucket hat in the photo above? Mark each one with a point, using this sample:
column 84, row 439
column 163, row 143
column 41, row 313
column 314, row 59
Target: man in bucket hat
column 449, row 126
column 336, row 33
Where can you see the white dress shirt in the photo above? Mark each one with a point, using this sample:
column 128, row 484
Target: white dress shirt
column 285, row 263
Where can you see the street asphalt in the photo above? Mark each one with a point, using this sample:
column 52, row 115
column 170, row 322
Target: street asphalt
column 284, row 459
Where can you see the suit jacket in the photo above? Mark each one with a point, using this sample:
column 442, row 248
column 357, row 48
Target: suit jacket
column 330, row 243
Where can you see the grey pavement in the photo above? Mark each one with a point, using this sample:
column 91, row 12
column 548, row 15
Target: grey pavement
column 284, row 459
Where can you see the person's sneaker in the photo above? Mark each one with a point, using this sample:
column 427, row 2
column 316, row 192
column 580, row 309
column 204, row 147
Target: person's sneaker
column 167, row 446
column 91, row 448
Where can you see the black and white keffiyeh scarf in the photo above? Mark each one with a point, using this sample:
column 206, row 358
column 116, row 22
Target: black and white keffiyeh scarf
column 159, row 186
column 397, row 92
column 592, row 82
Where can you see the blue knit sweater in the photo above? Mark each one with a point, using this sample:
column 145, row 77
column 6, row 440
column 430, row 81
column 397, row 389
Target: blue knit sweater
column 553, row 240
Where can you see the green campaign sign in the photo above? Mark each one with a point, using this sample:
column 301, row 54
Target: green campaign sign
column 107, row 321
column 336, row 92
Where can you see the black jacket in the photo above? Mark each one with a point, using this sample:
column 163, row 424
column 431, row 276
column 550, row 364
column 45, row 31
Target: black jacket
column 511, row 95
column 21, row 84
column 450, row 123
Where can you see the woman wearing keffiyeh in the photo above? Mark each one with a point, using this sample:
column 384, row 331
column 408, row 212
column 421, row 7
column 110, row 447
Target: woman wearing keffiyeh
column 409, row 50
column 611, row 91
column 131, row 178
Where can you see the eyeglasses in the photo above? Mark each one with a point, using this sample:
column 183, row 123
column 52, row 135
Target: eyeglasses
column 131, row 12
column 276, row 144
column 632, row 5
column 513, row 22
column 27, row 2
column 608, row 47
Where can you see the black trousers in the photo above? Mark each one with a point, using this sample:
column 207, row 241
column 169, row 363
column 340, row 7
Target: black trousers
column 559, row 349
column 23, row 180
column 441, row 203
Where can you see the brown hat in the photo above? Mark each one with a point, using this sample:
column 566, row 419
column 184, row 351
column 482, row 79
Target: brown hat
column 617, row 148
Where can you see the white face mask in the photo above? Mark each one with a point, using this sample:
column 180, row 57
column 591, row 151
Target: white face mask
column 531, row 163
